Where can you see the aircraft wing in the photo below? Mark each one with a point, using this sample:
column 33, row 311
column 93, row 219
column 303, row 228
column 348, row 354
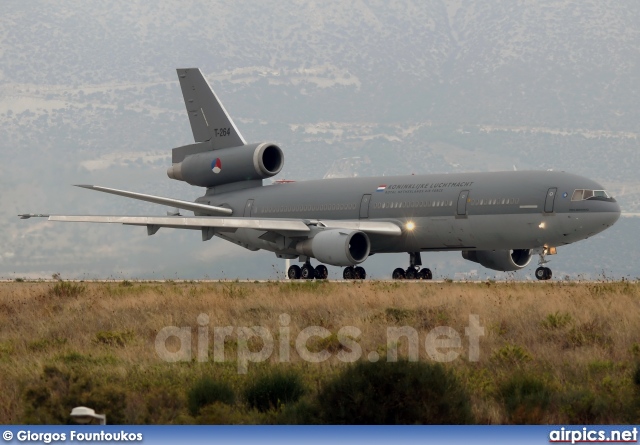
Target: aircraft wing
column 289, row 227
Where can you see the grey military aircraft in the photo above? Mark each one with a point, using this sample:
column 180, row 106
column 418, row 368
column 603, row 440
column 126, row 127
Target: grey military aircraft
column 499, row 220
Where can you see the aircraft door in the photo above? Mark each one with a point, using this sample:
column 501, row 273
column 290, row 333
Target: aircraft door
column 248, row 209
column 551, row 198
column 364, row 206
column 462, row 203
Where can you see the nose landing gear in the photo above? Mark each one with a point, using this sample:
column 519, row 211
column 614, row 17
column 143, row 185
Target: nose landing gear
column 413, row 272
column 543, row 273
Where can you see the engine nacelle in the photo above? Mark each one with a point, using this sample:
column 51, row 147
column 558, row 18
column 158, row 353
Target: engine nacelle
column 227, row 165
column 504, row 260
column 337, row 247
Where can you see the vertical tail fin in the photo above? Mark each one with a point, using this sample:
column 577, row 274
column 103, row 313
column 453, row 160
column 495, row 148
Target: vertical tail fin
column 209, row 120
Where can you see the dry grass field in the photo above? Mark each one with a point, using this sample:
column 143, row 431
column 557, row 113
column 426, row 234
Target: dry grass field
column 549, row 353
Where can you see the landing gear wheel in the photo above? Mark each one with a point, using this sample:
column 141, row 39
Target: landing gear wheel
column 349, row 273
column 411, row 273
column 361, row 274
column 425, row 274
column 294, row 272
column 398, row 274
column 543, row 273
column 307, row 272
column 322, row 272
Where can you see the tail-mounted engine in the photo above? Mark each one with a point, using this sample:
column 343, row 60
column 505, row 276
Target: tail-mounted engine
column 226, row 165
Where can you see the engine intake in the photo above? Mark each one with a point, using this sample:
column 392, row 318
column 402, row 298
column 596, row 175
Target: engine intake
column 504, row 260
column 227, row 165
column 336, row 247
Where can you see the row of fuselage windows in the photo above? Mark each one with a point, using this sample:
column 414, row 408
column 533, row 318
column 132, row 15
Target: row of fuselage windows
column 384, row 205
column 411, row 204
column 305, row 208
column 494, row 201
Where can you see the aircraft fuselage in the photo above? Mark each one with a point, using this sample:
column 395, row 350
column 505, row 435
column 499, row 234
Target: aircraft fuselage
column 461, row 211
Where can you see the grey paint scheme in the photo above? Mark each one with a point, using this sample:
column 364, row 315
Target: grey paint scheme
column 482, row 227
column 528, row 210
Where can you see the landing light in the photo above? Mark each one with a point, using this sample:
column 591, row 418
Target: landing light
column 542, row 225
column 410, row 226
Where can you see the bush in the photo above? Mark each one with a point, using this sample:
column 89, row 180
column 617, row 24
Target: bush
column 583, row 407
column 114, row 338
column 67, row 289
column 207, row 391
column 636, row 376
column 525, row 399
column 50, row 399
column 394, row 393
column 272, row 390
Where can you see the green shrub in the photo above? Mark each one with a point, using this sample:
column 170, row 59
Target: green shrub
column 511, row 355
column 592, row 333
column 397, row 315
column 636, row 376
column 67, row 289
column 207, row 391
column 45, row 344
column 394, row 393
column 274, row 389
column 556, row 321
column 525, row 399
column 114, row 338
column 49, row 400
column 582, row 407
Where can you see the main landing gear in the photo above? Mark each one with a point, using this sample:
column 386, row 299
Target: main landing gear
column 413, row 272
column 308, row 272
column 543, row 273
column 354, row 273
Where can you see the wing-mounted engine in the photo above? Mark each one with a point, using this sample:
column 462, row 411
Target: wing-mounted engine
column 226, row 165
column 504, row 260
column 337, row 247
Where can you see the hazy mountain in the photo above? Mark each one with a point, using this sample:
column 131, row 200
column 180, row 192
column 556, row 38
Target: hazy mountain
column 88, row 94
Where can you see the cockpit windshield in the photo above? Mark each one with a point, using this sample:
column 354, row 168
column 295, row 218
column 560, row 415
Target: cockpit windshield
column 583, row 194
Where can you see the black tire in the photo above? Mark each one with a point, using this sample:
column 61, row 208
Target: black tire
column 425, row 274
column 398, row 274
column 294, row 272
column 321, row 272
column 349, row 273
column 548, row 273
column 361, row 274
column 411, row 273
column 307, row 272
column 541, row 273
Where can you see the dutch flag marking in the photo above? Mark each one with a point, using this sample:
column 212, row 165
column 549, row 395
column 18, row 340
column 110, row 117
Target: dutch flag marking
column 381, row 188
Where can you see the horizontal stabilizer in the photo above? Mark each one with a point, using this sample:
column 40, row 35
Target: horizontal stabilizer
column 177, row 203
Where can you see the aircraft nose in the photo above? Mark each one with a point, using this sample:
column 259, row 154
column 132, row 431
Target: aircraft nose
column 612, row 213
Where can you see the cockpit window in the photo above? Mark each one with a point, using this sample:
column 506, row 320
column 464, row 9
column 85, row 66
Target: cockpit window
column 577, row 195
column 582, row 194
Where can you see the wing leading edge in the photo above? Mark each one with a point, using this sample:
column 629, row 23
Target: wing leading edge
column 290, row 227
